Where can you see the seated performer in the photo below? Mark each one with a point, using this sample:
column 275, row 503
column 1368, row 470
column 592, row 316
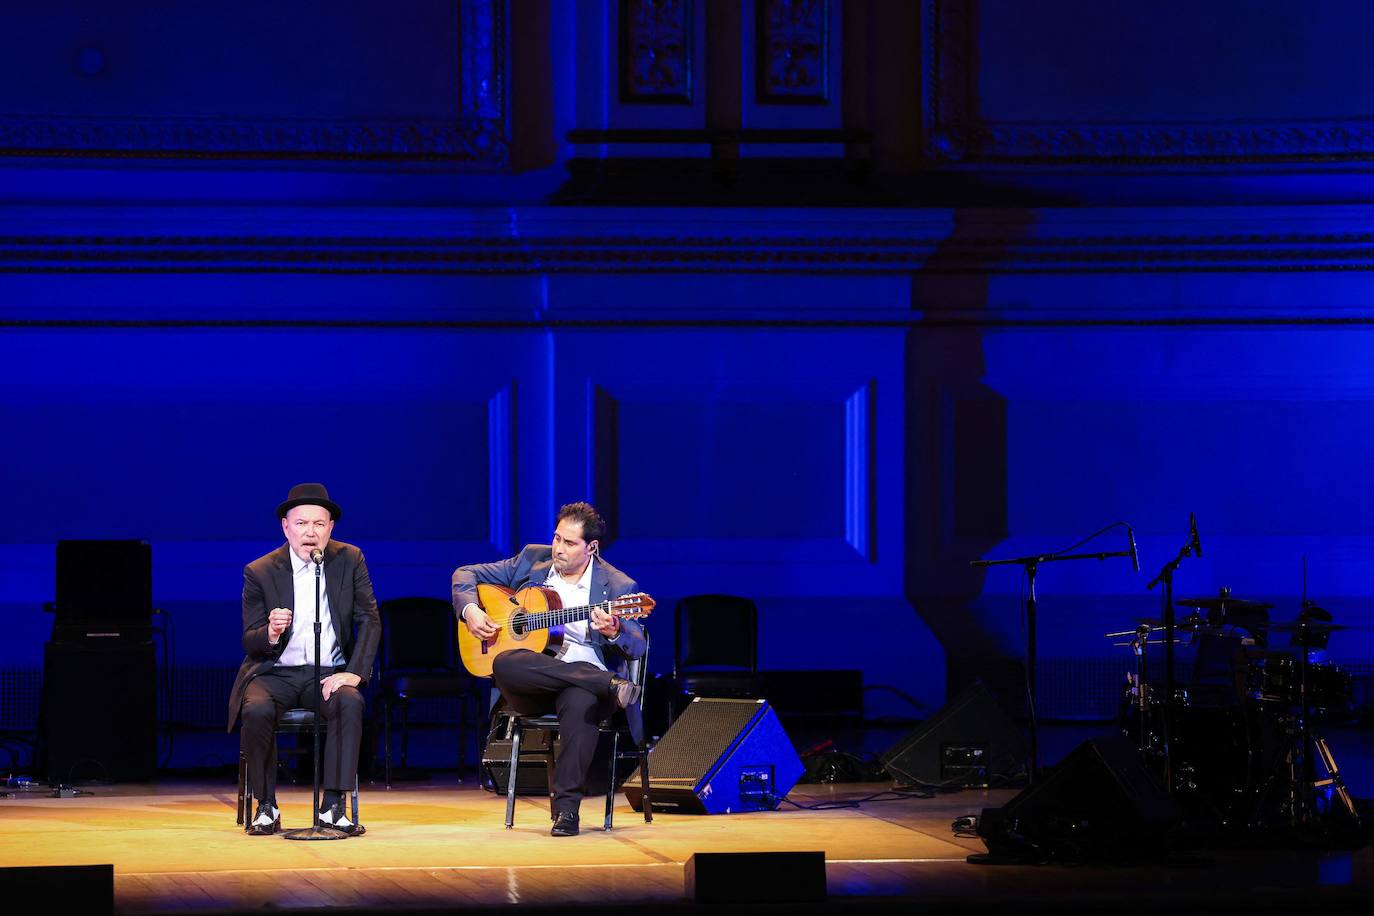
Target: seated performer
column 583, row 681
column 278, row 672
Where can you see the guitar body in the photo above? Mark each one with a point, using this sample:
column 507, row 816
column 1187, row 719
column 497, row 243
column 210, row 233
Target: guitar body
column 507, row 610
column 533, row 618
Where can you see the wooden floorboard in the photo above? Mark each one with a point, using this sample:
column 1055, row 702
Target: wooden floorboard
column 432, row 848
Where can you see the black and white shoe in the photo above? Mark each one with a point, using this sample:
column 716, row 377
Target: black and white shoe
column 336, row 816
column 266, row 822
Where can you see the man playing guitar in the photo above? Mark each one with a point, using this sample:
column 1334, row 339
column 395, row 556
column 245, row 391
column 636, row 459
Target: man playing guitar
column 583, row 679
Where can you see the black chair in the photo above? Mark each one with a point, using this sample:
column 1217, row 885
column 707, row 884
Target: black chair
column 419, row 660
column 291, row 722
column 716, row 649
column 616, row 724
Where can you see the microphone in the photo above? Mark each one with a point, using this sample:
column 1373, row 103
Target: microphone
column 1135, row 555
column 317, row 556
column 1192, row 533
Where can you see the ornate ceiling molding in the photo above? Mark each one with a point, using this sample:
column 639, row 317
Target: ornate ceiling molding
column 955, row 133
column 926, row 250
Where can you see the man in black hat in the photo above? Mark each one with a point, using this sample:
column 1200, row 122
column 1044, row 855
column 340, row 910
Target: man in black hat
column 278, row 671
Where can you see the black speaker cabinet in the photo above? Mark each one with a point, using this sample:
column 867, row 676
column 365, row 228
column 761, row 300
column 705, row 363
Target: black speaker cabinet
column 721, row 756
column 99, row 712
column 969, row 742
column 755, row 877
column 104, row 583
column 1101, row 803
column 532, row 774
column 59, row 889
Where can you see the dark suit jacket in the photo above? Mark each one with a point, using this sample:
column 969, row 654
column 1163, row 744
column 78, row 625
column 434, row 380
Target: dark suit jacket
column 267, row 583
column 531, row 567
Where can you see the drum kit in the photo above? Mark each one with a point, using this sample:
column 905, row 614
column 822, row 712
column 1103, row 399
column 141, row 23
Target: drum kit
column 1240, row 741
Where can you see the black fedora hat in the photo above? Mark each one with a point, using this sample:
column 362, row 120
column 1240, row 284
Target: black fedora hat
column 309, row 494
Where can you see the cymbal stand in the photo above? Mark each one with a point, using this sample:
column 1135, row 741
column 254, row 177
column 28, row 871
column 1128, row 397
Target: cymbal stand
column 1138, row 645
column 1305, row 781
column 1166, row 575
column 1031, row 565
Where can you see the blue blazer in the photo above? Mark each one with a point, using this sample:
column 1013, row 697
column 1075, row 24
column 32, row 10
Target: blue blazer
column 531, row 567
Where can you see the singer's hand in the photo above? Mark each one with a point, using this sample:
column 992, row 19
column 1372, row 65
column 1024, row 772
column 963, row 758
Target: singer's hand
column 278, row 619
column 605, row 624
column 479, row 623
column 332, row 683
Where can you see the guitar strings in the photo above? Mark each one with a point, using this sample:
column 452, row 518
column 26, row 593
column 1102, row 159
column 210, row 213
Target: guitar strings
column 543, row 619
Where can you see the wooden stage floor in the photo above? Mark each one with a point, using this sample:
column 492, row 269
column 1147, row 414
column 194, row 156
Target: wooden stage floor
column 441, row 847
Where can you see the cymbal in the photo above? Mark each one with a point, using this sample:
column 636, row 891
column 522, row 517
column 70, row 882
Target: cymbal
column 1189, row 622
column 1304, row 626
column 1190, row 626
column 1223, row 604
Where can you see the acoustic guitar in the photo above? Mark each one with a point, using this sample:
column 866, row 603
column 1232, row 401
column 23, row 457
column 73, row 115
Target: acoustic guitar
column 525, row 618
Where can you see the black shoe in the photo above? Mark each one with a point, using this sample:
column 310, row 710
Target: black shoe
column 335, row 816
column 626, row 693
column 564, row 825
column 266, row 822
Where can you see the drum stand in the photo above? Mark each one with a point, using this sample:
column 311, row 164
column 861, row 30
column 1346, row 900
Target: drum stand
column 1142, row 701
column 1139, row 692
column 1296, row 772
column 1306, row 786
column 1333, row 778
column 1166, row 575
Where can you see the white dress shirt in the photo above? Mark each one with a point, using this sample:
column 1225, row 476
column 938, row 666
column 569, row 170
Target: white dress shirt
column 576, row 647
column 300, row 648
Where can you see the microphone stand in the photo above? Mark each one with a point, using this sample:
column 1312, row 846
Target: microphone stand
column 318, row 831
column 1031, row 565
column 1166, row 575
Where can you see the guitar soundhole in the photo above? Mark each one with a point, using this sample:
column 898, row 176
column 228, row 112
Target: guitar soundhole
column 517, row 625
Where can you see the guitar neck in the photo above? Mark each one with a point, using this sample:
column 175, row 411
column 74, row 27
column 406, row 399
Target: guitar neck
column 542, row 620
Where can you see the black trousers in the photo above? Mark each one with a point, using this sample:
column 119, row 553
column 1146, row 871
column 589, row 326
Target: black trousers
column 270, row 694
column 535, row 684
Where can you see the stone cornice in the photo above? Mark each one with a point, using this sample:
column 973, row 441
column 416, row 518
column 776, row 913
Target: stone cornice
column 607, row 241
column 473, row 140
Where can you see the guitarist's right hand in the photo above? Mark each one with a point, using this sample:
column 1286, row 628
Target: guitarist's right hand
column 479, row 624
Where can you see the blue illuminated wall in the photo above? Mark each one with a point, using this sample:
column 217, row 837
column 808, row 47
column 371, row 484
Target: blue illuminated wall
column 988, row 283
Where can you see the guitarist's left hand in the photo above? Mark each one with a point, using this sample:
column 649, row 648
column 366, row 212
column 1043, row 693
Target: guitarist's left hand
column 608, row 625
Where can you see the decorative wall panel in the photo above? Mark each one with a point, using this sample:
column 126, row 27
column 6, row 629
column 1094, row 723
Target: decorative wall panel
column 792, row 56
column 656, row 51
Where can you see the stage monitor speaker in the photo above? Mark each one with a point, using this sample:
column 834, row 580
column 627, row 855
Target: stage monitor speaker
column 1101, row 803
column 721, row 756
column 755, row 877
column 969, row 742
column 59, row 889
column 99, row 713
